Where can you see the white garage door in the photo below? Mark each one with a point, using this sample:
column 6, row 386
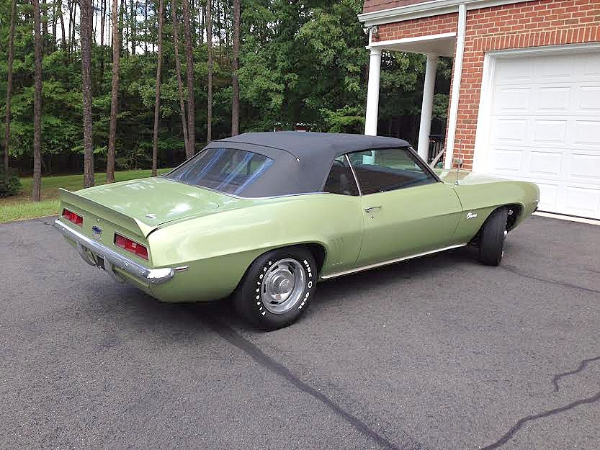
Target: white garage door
column 545, row 127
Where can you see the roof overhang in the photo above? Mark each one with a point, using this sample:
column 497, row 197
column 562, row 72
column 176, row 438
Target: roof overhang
column 438, row 44
column 426, row 9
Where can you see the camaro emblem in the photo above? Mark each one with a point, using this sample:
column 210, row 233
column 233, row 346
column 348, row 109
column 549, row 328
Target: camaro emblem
column 471, row 215
column 97, row 230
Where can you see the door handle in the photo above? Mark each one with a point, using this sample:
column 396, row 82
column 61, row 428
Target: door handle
column 372, row 208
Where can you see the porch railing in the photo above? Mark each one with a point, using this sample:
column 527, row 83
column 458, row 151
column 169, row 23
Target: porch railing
column 436, row 144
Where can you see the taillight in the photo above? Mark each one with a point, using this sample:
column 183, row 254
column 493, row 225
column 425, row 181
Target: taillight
column 131, row 246
column 72, row 217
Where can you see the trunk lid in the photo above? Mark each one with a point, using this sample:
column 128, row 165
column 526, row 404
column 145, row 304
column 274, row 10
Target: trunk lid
column 140, row 206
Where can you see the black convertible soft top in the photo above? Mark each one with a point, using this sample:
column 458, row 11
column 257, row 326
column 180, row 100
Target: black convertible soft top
column 301, row 160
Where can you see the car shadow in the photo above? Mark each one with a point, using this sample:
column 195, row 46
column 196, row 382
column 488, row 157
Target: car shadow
column 414, row 269
column 145, row 313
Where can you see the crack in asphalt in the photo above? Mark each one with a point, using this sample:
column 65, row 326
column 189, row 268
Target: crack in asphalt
column 509, row 435
column 521, row 422
column 235, row 339
column 517, row 271
column 582, row 365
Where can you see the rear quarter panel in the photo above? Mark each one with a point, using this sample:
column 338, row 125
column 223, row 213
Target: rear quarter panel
column 219, row 248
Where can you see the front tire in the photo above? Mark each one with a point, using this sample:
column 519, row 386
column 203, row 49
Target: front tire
column 277, row 288
column 493, row 235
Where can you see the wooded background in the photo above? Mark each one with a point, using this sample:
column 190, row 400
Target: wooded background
column 104, row 84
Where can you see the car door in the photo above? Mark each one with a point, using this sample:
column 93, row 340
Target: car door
column 407, row 209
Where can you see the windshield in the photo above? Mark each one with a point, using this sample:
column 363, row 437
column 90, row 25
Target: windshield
column 223, row 169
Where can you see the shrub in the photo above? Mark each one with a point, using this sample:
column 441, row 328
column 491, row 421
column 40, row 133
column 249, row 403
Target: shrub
column 9, row 184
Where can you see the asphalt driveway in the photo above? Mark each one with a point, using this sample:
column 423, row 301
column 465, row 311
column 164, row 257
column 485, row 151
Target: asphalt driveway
column 439, row 353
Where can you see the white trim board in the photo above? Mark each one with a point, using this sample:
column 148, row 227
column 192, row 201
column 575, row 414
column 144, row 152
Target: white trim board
column 427, row 9
column 567, row 218
column 411, row 40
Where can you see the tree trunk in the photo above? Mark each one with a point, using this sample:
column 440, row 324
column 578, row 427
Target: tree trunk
column 54, row 22
column 209, row 51
column 44, row 17
column 123, row 26
column 62, row 26
column 225, row 26
column 86, row 22
column 114, row 98
column 75, row 23
column 189, row 56
column 201, row 22
column 157, row 98
column 146, row 27
column 235, row 81
column 192, row 5
column 11, row 39
column 102, row 21
column 133, row 24
column 70, row 7
column 37, row 106
column 189, row 152
column 93, row 20
column 220, row 29
column 102, row 25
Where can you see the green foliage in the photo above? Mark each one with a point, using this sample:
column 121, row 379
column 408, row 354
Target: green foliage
column 301, row 62
column 10, row 184
column 21, row 207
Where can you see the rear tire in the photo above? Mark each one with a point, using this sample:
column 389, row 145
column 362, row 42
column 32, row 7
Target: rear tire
column 493, row 235
column 277, row 288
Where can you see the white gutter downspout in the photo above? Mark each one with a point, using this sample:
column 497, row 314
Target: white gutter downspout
column 458, row 65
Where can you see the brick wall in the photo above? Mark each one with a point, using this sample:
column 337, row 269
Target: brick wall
column 519, row 25
column 378, row 5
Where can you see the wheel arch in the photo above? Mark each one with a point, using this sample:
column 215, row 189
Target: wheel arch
column 317, row 249
column 515, row 210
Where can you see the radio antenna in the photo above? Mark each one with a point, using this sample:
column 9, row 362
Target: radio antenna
column 459, row 160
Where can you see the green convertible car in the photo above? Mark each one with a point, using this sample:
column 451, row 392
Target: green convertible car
column 264, row 216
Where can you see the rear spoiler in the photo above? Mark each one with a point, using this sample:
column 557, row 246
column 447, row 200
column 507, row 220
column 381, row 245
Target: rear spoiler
column 118, row 218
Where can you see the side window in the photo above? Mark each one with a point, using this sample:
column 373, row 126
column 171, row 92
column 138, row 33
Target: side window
column 340, row 179
column 388, row 169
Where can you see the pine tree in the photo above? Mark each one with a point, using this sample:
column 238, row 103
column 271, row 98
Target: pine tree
column 235, row 66
column 87, row 10
column 9, row 83
column 157, row 92
column 189, row 151
column 37, row 106
column 114, row 98
column 189, row 57
column 209, row 51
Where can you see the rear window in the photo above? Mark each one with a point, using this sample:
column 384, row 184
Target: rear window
column 226, row 170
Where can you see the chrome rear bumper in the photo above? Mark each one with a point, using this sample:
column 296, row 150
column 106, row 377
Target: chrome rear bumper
column 113, row 259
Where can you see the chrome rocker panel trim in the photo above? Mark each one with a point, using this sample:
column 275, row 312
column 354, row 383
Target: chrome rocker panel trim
column 391, row 261
column 114, row 259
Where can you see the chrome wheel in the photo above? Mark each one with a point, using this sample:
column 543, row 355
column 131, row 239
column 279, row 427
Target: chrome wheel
column 282, row 285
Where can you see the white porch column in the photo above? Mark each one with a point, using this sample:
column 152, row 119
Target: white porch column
column 427, row 106
column 456, row 77
column 373, row 92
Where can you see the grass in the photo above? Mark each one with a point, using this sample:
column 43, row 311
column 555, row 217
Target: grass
column 20, row 207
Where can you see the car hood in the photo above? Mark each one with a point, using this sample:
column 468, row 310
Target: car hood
column 465, row 177
column 155, row 201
